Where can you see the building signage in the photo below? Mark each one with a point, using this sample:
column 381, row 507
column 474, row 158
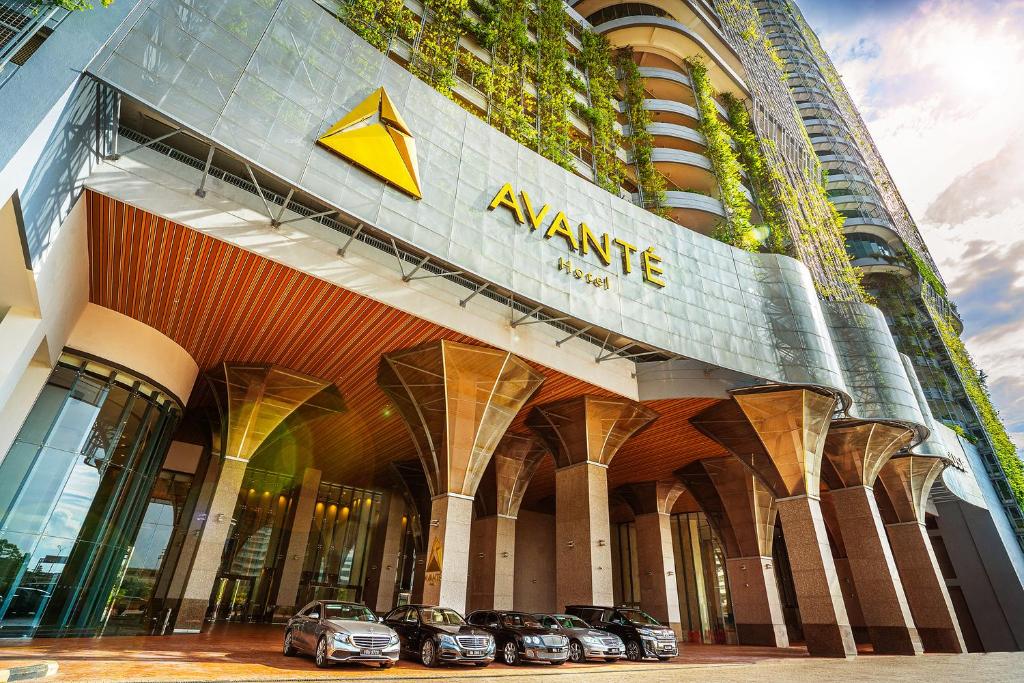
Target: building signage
column 581, row 239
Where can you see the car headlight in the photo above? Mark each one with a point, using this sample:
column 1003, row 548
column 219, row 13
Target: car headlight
column 490, row 643
column 646, row 632
column 591, row 640
column 394, row 639
column 448, row 640
column 342, row 638
column 531, row 640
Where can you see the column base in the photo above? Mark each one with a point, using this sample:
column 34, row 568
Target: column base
column 941, row 640
column 191, row 615
column 829, row 640
column 895, row 640
column 766, row 635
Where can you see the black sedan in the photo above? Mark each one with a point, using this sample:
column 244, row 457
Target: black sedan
column 437, row 635
column 520, row 637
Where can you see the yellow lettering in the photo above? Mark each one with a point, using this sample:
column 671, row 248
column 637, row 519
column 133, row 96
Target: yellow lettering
column 650, row 270
column 560, row 226
column 564, row 264
column 602, row 248
column 535, row 218
column 507, row 197
column 627, row 255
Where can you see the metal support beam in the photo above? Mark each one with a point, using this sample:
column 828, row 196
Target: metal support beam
column 115, row 157
column 423, row 262
column 284, row 207
column 259, row 191
column 575, row 334
column 354, row 235
column 476, row 291
column 201, row 190
column 602, row 357
column 519, row 321
column 311, row 217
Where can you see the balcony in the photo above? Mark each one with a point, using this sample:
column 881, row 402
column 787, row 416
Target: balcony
column 675, row 136
column 667, row 35
column 24, row 25
column 873, row 255
column 685, row 170
column 667, row 111
column 697, row 212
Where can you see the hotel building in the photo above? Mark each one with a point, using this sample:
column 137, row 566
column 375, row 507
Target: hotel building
column 486, row 304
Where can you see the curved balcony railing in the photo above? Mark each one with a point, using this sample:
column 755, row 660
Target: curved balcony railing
column 676, row 199
column 857, row 201
column 672, row 107
column 842, row 161
column 873, row 265
column 722, row 75
column 665, row 155
column 674, row 130
column 881, row 228
column 855, row 182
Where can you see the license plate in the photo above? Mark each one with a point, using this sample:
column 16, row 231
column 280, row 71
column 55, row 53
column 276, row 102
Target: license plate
column 667, row 647
column 613, row 651
column 370, row 653
column 474, row 653
column 556, row 649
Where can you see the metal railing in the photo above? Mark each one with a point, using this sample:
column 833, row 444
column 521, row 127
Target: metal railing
column 23, row 23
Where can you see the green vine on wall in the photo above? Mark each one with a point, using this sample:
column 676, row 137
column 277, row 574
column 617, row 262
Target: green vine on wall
column 509, row 51
column 597, row 59
column 926, row 272
column 554, row 84
column 376, row 21
column 72, row 5
column 652, row 184
column 737, row 230
column 437, row 44
column 1005, row 450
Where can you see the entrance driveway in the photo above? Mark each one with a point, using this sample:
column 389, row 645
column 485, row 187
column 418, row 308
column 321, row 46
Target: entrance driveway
column 253, row 653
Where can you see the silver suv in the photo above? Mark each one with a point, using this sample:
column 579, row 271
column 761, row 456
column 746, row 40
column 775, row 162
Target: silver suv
column 340, row 632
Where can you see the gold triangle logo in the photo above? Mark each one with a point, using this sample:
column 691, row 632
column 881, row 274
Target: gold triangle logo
column 374, row 137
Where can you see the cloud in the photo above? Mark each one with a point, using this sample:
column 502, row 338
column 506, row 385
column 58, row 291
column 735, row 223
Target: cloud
column 987, row 189
column 990, row 289
column 1008, row 392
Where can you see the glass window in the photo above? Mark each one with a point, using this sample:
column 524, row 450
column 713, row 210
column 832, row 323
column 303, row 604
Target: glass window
column 440, row 615
column 638, row 617
column 338, row 610
column 70, row 491
column 519, row 619
column 571, row 622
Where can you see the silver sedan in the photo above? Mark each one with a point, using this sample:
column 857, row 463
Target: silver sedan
column 340, row 632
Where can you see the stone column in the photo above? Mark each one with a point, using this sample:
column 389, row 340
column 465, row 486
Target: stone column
column 907, row 481
column 380, row 591
column 298, row 539
column 791, row 423
column 457, row 401
column 652, row 506
column 513, row 465
column 584, row 434
column 253, row 401
column 858, row 449
column 742, row 511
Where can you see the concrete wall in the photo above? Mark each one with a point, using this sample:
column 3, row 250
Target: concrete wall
column 535, row 563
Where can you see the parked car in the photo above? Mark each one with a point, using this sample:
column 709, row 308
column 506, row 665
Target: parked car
column 340, row 632
column 520, row 637
column 437, row 635
column 643, row 635
column 585, row 642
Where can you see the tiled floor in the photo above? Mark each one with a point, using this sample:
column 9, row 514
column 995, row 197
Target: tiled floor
column 238, row 652
column 253, row 653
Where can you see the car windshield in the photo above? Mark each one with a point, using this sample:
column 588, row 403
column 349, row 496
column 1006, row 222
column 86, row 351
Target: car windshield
column 637, row 617
column 335, row 610
column 438, row 615
column 519, row 619
column 567, row 621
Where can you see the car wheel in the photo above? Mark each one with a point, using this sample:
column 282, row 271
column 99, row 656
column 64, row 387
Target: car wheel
column 634, row 651
column 576, row 652
column 322, row 660
column 510, row 653
column 428, row 654
column 289, row 647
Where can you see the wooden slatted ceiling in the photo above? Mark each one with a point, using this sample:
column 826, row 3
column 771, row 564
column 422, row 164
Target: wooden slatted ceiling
column 221, row 303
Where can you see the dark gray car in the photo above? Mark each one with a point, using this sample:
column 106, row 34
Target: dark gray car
column 584, row 642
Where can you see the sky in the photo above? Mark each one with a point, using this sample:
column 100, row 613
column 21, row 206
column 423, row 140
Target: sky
column 940, row 84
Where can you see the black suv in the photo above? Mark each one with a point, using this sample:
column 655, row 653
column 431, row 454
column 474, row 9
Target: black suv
column 519, row 636
column 643, row 635
column 437, row 635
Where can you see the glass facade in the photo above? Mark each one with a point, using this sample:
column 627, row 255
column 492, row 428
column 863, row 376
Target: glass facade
column 704, row 605
column 78, row 532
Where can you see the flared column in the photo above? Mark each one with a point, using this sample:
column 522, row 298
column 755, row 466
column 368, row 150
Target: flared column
column 792, row 424
column 742, row 511
column 457, row 401
column 858, row 449
column 584, row 434
column 499, row 497
column 253, row 401
column 652, row 504
column 907, row 481
column 298, row 539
